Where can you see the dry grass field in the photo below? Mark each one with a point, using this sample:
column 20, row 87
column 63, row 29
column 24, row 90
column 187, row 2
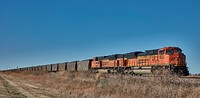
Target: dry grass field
column 100, row 85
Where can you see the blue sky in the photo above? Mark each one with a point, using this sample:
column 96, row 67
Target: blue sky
column 34, row 32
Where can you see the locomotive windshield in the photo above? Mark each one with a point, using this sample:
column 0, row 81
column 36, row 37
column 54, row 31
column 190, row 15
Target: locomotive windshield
column 170, row 52
column 178, row 50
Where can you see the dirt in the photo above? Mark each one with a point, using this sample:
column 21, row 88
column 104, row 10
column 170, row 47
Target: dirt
column 14, row 88
column 87, row 85
column 8, row 90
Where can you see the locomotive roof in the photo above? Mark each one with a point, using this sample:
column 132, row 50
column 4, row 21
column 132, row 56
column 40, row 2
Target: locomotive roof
column 170, row 48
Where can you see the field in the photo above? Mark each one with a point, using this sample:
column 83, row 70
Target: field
column 100, row 85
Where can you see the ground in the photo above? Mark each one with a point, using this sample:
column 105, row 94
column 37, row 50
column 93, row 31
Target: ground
column 88, row 85
column 10, row 87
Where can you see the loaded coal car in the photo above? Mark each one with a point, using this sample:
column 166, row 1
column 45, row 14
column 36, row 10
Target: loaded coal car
column 39, row 68
column 84, row 65
column 54, row 67
column 72, row 66
column 30, row 69
column 22, row 69
column 34, row 68
column 62, row 66
column 44, row 68
column 49, row 67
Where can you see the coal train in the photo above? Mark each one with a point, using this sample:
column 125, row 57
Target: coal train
column 136, row 63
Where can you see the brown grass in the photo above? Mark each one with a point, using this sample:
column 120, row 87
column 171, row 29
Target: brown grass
column 87, row 85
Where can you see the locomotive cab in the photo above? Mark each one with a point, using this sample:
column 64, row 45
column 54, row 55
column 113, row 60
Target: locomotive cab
column 174, row 58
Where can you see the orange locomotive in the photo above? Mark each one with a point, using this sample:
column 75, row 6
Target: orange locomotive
column 170, row 58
